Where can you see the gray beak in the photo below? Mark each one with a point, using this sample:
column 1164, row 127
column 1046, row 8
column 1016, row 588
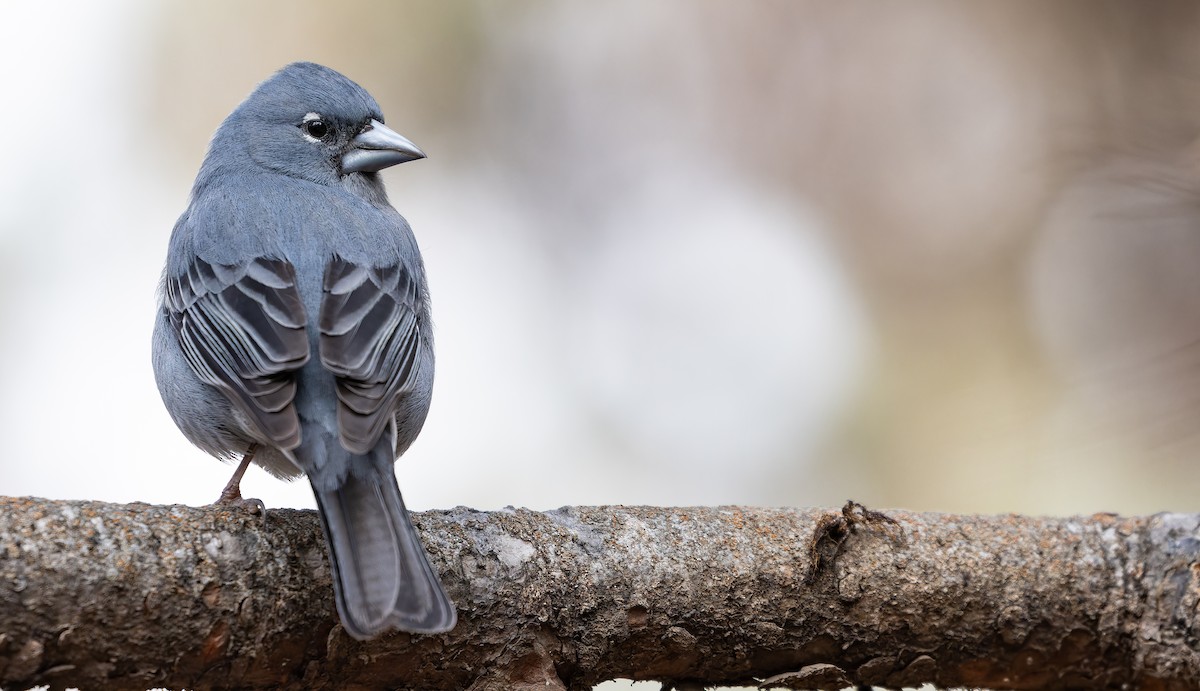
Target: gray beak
column 376, row 148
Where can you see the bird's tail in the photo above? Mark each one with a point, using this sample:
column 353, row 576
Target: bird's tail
column 381, row 576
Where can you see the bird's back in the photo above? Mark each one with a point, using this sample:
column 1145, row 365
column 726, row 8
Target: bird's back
column 308, row 225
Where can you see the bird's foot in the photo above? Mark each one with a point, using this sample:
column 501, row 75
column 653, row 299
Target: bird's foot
column 231, row 496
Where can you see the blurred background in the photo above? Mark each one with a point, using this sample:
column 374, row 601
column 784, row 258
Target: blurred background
column 931, row 255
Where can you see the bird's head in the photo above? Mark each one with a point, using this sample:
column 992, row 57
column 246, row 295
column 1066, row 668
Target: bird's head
column 310, row 122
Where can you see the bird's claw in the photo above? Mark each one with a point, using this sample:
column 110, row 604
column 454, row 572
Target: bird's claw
column 235, row 499
column 231, row 496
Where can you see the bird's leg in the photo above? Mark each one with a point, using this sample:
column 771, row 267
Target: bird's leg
column 232, row 494
column 233, row 490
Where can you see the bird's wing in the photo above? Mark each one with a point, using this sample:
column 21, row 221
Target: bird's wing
column 370, row 339
column 241, row 327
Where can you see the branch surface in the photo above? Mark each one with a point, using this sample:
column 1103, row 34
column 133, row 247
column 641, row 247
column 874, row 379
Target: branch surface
column 137, row 596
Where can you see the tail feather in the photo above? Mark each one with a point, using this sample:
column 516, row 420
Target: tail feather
column 381, row 576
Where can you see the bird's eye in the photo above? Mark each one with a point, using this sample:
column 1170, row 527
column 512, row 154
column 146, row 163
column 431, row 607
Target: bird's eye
column 317, row 129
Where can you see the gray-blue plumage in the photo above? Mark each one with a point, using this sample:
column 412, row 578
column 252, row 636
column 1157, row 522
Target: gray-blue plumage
column 294, row 325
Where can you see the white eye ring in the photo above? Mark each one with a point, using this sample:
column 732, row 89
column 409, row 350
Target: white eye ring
column 307, row 126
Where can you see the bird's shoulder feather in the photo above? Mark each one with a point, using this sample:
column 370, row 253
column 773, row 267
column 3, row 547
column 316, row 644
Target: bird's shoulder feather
column 374, row 338
column 242, row 330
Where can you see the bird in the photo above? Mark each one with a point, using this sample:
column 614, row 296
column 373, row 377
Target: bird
column 293, row 329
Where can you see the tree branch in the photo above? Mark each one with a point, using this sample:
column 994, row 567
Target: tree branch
column 137, row 596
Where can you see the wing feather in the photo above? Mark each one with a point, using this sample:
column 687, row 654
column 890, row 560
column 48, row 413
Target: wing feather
column 370, row 339
column 242, row 329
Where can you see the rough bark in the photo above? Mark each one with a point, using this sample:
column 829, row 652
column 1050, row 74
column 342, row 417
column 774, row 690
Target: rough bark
column 136, row 596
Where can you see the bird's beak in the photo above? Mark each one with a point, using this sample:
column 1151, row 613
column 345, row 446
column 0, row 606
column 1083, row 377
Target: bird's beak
column 376, row 148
